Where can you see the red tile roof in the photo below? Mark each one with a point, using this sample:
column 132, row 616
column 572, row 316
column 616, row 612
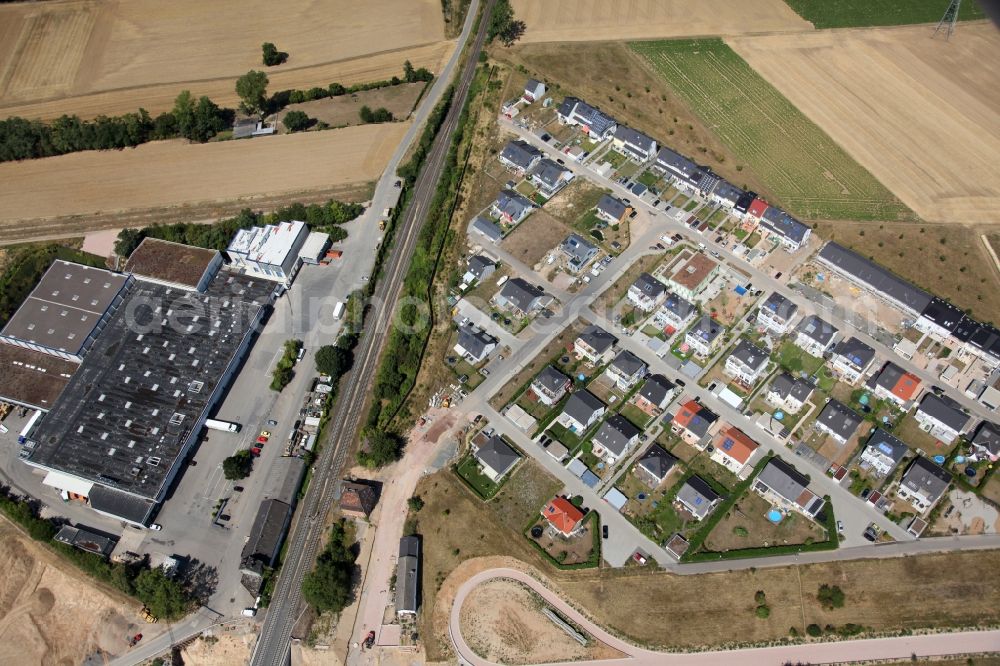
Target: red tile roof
column 906, row 386
column 686, row 413
column 736, row 444
column 757, row 208
column 562, row 514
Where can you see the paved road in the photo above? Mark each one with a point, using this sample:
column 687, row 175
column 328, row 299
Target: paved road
column 308, row 527
column 813, row 653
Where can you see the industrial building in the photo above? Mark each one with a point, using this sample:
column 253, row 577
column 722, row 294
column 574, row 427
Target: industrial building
column 272, row 252
column 174, row 264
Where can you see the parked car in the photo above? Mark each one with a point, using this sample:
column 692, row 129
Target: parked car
column 778, row 275
column 840, row 526
column 272, row 422
column 604, row 531
column 238, row 489
column 266, row 434
column 262, row 440
column 156, row 527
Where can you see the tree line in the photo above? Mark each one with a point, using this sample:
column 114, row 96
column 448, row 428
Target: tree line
column 328, row 587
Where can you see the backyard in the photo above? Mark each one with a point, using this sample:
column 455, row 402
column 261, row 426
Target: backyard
column 794, row 360
column 576, row 549
column 654, row 514
column 468, row 468
column 747, row 525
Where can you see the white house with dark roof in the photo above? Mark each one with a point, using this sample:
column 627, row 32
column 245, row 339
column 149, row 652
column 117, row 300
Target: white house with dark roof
column 654, row 465
column 939, row 319
column 747, row 363
column 655, row 394
column 595, row 344
column 533, row 91
column 697, row 497
column 519, row 156
column 614, row 439
column 814, row 336
column 782, row 484
column 520, row 297
column 550, row 177
column 776, row 313
column 582, row 410
column 882, row 453
column 612, row 209
column 726, row 194
column 626, row 370
column 474, row 344
column 941, row 416
column 550, row 386
column 479, row 268
column 495, row 457
column 686, row 174
column 788, row 393
column 646, row 292
column 851, row 359
column 838, row 421
column 633, row 144
column 579, row 252
column 511, row 207
column 704, row 337
column 486, row 228
column 675, row 313
column 594, row 122
column 923, row 484
column 788, row 231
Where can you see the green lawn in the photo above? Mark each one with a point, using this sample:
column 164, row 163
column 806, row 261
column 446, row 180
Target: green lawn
column 648, row 178
column 794, row 359
column 860, row 13
column 635, row 415
column 811, row 175
column 614, row 158
column 568, row 439
column 468, row 469
column 691, row 205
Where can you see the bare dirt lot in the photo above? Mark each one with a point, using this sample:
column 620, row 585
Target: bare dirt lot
column 921, row 115
column 172, row 172
column 75, row 47
column 586, row 20
column 536, row 237
column 48, row 614
column 345, row 110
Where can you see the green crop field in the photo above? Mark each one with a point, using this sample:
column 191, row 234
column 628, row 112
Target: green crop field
column 858, row 13
column 809, row 173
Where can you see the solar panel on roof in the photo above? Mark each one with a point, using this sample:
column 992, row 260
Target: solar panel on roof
column 727, row 445
column 885, row 448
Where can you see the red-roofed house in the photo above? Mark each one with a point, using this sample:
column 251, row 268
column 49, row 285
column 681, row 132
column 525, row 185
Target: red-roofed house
column 733, row 449
column 894, row 383
column 563, row 516
column 693, row 422
column 754, row 214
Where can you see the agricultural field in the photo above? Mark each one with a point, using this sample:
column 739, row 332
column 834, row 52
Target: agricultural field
column 93, row 181
column 885, row 96
column 585, row 20
column 808, row 172
column 857, row 13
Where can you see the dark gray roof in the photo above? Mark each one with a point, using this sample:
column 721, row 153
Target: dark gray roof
column 887, row 445
column 408, row 575
column 728, row 192
column 532, row 85
column 474, row 339
column 945, row 410
column 578, row 248
column 487, row 228
column 124, row 505
column 943, row 313
column 656, row 388
column 598, row 121
column 479, row 263
column 520, row 293
column 925, row 477
column 635, row 138
column 566, row 108
column 780, row 306
column 682, row 308
column 616, row 433
column 512, row 203
column 743, row 203
column 840, row 418
column 598, row 339
column 817, row 329
column 582, row 405
column 784, row 385
column 988, row 437
column 520, row 153
column 86, row 540
column 783, row 224
column 886, row 377
column 876, row 277
column 679, row 165
column 706, row 328
column 267, row 533
column 612, row 206
column 551, row 379
column 986, row 338
column 497, row 455
column 628, row 363
column 649, row 285
column 750, row 355
column 657, row 461
column 549, row 172
column 698, row 496
column 783, row 479
column 856, row 352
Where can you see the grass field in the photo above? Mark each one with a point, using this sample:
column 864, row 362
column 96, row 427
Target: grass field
column 857, row 13
column 345, row 109
column 810, row 175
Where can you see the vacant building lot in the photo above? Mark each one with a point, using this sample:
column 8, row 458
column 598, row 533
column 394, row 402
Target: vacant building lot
column 920, row 114
column 586, row 20
column 173, row 172
column 540, row 234
column 345, row 110
column 808, row 172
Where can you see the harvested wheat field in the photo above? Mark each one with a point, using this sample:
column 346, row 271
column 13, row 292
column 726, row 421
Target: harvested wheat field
column 175, row 173
column 48, row 614
column 922, row 115
column 597, row 20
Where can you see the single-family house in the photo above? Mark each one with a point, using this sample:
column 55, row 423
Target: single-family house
column 789, row 394
column 626, row 370
column 986, row 441
column 733, row 449
column 882, row 453
column 939, row 319
column 697, row 497
column 693, row 423
column 785, row 486
column 474, row 344
column 674, row 314
column 923, row 484
column 654, row 465
column 510, row 207
column 550, row 177
column 725, row 194
column 495, row 457
column 520, row 297
column 634, row 144
column 533, row 91
column 838, row 421
column 691, row 279
column 941, row 416
column 851, row 359
column 895, row 384
column 614, row 439
column 655, row 394
column 478, row 268
column 646, row 292
column 781, row 226
column 579, row 252
column 582, row 410
column 520, row 156
column 612, row 209
column 486, row 228
column 598, row 125
column 563, row 517
column 776, row 313
column 550, row 385
column 814, row 336
column 704, row 337
column 746, row 363
column 595, row 344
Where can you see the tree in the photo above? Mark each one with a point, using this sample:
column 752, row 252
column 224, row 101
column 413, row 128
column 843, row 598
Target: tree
column 238, row 466
column 335, row 360
column 328, row 586
column 252, row 89
column 128, row 240
column 416, row 503
column 271, row 55
column 184, row 112
column 830, row 596
column 295, row 121
column 503, row 25
column 763, row 611
column 379, row 115
column 383, row 448
column 164, row 597
column 209, row 120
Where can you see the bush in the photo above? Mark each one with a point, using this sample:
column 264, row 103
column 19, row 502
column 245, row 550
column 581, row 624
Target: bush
column 283, row 373
column 814, row 630
column 295, row 121
column 238, row 466
column 328, row 586
column 271, row 55
column 379, row 115
column 416, row 503
column 830, row 597
column 763, row 612
column 759, row 597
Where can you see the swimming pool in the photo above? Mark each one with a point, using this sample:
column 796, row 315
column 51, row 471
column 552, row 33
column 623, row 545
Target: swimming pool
column 774, row 516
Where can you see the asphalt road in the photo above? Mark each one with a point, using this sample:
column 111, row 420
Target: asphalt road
column 308, row 527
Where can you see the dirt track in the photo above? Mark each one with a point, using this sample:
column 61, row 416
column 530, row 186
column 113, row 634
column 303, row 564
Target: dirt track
column 170, row 173
column 590, row 20
column 921, row 115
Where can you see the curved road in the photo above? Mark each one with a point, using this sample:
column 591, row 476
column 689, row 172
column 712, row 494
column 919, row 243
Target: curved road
column 901, row 647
